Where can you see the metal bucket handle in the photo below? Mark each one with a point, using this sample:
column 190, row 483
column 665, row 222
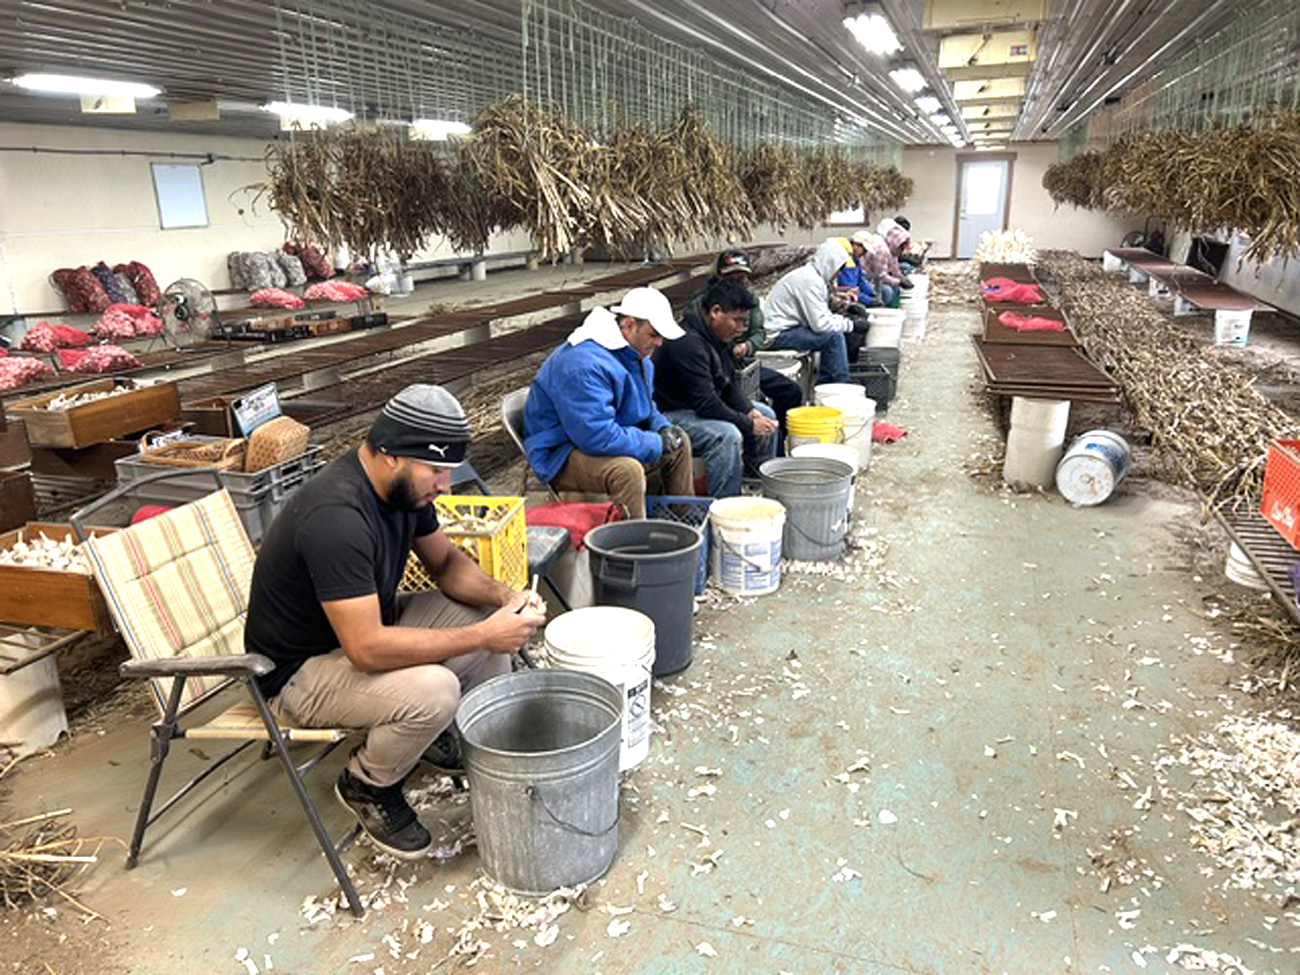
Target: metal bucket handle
column 535, row 794
column 758, row 566
column 816, row 541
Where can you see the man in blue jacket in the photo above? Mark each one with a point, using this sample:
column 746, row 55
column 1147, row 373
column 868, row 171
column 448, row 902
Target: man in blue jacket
column 591, row 423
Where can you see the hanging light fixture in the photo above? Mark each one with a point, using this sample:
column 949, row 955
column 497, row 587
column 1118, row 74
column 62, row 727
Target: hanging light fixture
column 308, row 113
column 929, row 104
column 873, row 32
column 908, row 79
column 437, row 130
column 62, row 84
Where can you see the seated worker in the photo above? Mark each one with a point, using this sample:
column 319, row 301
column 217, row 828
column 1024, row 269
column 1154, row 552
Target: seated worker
column 851, row 295
column 697, row 388
column 796, row 314
column 350, row 651
column 910, row 260
column 897, row 240
column 877, row 263
column 591, row 424
column 782, row 392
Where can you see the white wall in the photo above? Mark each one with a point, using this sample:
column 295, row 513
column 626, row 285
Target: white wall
column 65, row 210
column 933, row 205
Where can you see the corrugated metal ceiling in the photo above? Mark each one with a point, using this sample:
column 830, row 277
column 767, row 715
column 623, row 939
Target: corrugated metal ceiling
column 450, row 58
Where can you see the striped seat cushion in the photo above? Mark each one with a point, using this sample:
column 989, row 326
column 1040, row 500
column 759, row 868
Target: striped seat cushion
column 177, row 585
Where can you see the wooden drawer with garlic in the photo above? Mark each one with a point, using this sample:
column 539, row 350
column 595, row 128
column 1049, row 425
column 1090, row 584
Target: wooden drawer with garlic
column 92, row 413
column 45, row 579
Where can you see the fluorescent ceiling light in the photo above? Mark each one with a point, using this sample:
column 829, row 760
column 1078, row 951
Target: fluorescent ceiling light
column 940, row 120
column 948, row 129
column 437, row 130
column 68, row 85
column 909, row 79
column 928, row 104
column 874, row 33
column 315, row 113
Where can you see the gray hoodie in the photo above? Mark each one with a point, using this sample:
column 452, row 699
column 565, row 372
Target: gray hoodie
column 799, row 299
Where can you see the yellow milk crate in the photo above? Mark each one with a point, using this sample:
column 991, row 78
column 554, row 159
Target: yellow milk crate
column 490, row 530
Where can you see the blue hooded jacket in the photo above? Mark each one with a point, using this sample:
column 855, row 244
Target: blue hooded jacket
column 593, row 393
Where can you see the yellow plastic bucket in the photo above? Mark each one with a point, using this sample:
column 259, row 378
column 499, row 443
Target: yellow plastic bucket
column 814, row 424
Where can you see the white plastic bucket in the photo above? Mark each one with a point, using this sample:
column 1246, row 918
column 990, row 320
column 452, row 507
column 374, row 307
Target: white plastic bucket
column 617, row 644
column 885, row 335
column 1095, row 463
column 847, row 453
column 1035, row 441
column 859, row 423
column 745, row 555
column 1231, row 326
column 824, row 391
column 886, row 315
column 920, row 284
column 1241, row 570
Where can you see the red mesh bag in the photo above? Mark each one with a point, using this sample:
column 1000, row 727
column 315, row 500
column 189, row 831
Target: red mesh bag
column 336, row 291
column 98, row 359
column 579, row 517
column 142, row 279
column 17, row 370
column 48, row 336
column 314, row 262
column 275, row 298
column 80, row 289
column 127, row 321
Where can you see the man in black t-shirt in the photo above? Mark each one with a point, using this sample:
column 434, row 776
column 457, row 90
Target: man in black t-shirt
column 349, row 650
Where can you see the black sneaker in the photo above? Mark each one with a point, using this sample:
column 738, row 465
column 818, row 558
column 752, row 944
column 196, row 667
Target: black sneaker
column 445, row 755
column 385, row 815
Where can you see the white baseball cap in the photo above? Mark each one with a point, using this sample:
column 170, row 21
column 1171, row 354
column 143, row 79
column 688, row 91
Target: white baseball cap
column 651, row 305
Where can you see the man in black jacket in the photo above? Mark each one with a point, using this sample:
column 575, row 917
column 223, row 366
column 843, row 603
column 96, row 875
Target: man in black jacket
column 697, row 389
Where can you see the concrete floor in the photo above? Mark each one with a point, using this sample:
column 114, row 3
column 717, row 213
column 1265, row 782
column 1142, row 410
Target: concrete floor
column 971, row 663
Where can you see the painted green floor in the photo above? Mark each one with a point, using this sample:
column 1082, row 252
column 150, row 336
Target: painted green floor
column 895, row 746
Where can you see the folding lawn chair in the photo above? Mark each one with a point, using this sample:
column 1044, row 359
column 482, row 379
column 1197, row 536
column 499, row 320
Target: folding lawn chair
column 177, row 587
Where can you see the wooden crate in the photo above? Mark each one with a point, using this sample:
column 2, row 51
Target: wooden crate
column 14, row 450
column 17, row 499
column 50, row 597
column 95, row 462
column 99, row 421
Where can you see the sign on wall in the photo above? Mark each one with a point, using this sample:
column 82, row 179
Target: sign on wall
column 179, row 191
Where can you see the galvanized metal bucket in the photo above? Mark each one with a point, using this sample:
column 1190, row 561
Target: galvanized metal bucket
column 815, row 492
column 541, row 751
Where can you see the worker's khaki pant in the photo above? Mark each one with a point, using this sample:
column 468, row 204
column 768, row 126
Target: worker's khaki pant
column 404, row 710
column 623, row 478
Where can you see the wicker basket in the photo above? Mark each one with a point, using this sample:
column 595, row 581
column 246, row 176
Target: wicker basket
column 275, row 441
column 224, row 455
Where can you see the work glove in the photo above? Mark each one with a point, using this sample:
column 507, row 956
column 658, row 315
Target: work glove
column 673, row 438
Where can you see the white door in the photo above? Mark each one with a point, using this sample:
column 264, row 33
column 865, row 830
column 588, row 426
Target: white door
column 982, row 202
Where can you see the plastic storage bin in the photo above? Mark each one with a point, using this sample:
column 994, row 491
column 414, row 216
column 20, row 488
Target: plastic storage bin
column 258, row 497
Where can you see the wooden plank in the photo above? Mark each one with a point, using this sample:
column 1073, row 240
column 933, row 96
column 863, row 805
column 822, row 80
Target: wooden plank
column 14, row 450
column 17, row 499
